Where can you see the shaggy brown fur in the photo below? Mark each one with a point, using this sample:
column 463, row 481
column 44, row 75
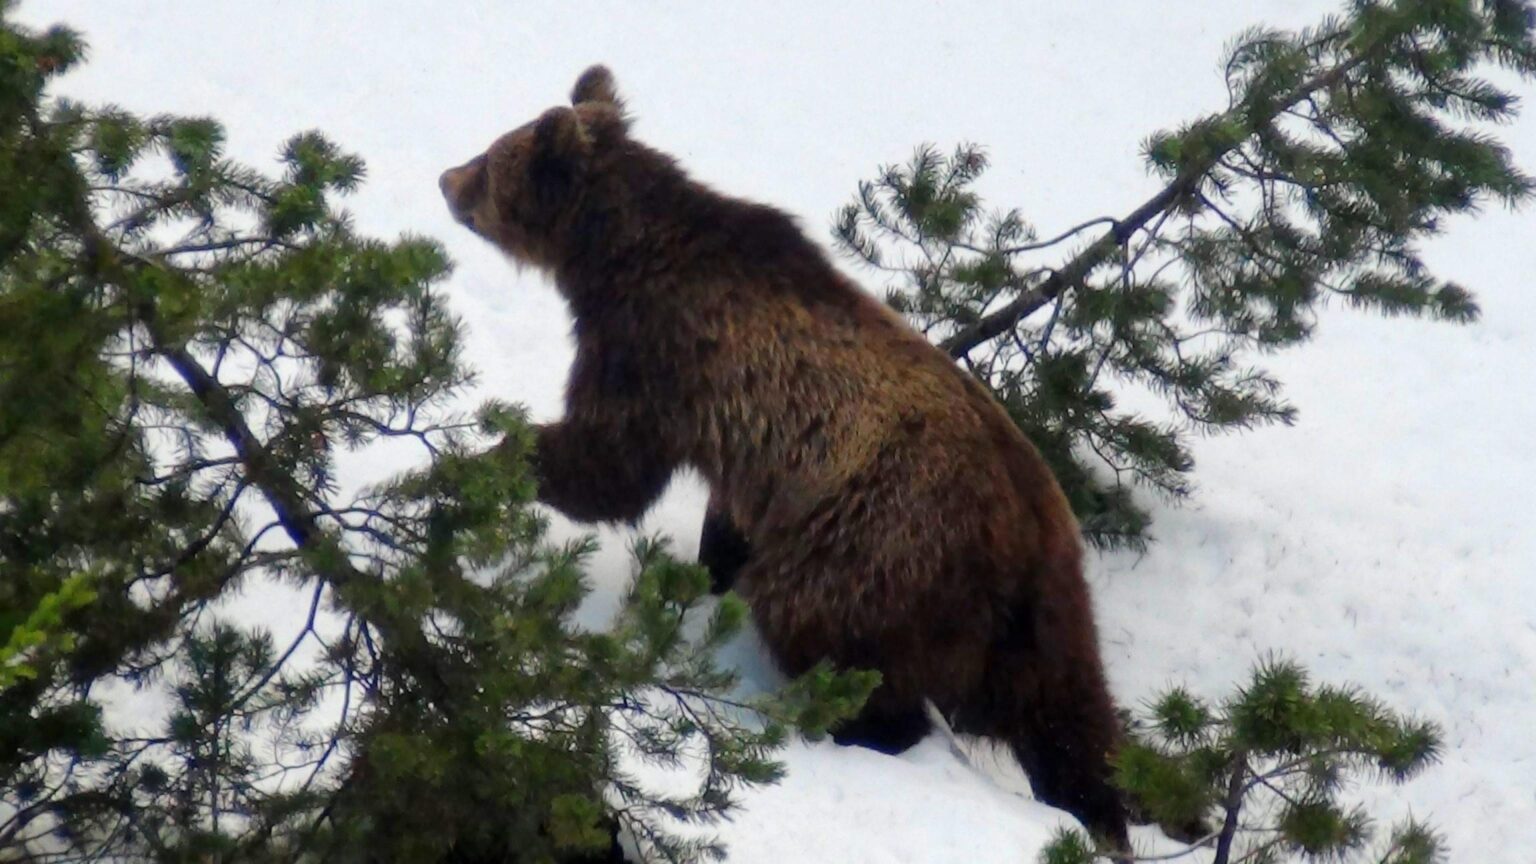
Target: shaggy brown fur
column 897, row 518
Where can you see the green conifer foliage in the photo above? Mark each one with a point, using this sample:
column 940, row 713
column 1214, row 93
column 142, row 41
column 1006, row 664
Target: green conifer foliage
column 187, row 345
column 1258, row 777
column 1341, row 148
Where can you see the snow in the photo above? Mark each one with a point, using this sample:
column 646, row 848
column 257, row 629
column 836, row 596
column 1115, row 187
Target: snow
column 1382, row 540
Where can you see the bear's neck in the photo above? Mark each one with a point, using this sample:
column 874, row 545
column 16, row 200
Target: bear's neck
column 670, row 233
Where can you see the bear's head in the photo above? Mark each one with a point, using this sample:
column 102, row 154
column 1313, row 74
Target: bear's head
column 532, row 186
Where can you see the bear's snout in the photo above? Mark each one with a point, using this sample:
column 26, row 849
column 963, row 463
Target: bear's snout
column 462, row 188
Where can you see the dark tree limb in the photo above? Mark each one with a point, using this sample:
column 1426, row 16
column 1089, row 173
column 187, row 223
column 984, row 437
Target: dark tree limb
column 1233, row 804
column 278, row 487
column 1102, row 250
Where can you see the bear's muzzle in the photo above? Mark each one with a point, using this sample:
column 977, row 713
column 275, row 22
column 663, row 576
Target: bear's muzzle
column 463, row 188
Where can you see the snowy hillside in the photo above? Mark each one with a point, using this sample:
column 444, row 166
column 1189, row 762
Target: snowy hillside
column 1383, row 540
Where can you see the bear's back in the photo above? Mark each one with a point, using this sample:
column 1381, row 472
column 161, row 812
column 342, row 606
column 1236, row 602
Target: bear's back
column 814, row 388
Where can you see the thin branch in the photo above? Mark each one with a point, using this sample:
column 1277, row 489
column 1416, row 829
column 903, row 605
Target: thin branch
column 224, row 245
column 309, row 627
column 196, row 547
column 1103, row 250
column 282, row 491
column 1065, row 235
column 1193, row 847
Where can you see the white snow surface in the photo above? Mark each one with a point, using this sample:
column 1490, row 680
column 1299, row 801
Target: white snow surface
column 1384, row 540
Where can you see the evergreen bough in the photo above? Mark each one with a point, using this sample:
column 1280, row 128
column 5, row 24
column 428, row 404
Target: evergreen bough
column 1341, row 148
column 1258, row 777
column 186, row 346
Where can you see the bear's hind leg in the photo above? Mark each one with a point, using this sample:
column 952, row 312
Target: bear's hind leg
column 1047, row 699
column 1067, row 763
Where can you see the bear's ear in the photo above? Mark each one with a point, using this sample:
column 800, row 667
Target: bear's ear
column 596, row 85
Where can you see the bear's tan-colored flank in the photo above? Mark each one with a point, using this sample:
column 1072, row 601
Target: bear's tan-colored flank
column 897, row 518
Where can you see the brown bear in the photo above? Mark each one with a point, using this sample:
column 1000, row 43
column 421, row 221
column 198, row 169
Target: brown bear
column 897, row 519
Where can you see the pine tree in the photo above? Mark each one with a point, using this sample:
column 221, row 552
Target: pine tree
column 1341, row 148
column 186, row 345
column 1258, row 778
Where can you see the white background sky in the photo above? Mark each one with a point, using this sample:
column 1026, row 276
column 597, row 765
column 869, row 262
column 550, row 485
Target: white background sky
column 1386, row 539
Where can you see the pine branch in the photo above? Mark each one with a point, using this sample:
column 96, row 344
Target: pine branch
column 1190, row 849
column 280, row 489
column 276, row 668
column 1233, row 805
column 1102, row 251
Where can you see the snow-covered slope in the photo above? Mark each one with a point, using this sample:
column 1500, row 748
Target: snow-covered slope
column 1383, row 540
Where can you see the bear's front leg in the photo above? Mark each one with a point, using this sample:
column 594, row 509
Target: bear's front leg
column 598, row 472
column 723, row 549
